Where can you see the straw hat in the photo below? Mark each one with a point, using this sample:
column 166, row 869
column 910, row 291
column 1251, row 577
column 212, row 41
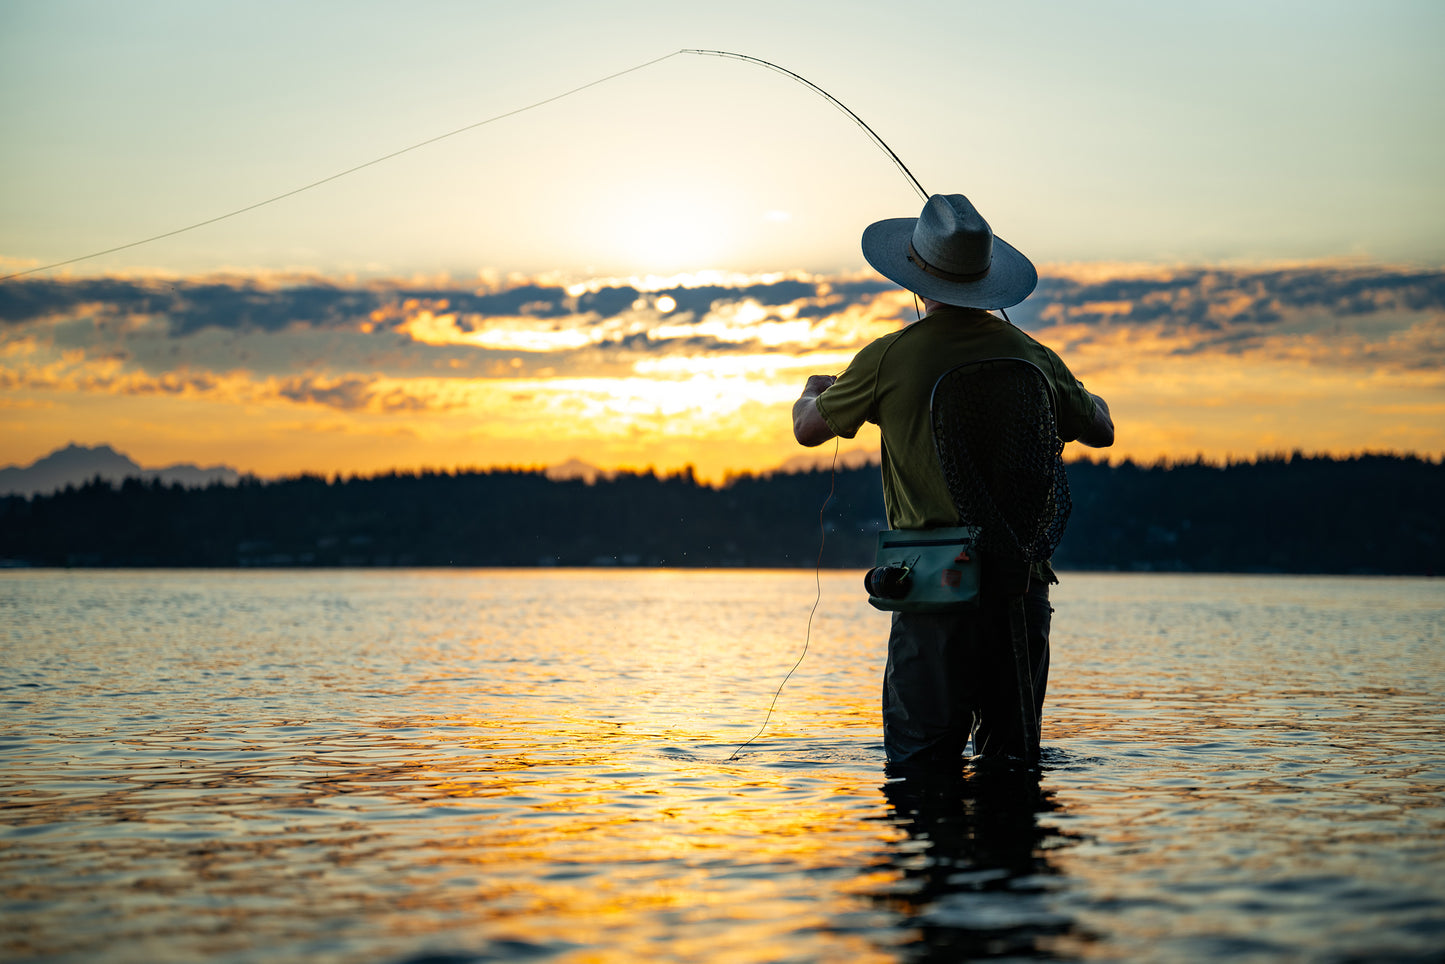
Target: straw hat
column 949, row 254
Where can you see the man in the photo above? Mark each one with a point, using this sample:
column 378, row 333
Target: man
column 946, row 672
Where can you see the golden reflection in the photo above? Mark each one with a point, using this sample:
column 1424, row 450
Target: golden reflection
column 972, row 874
column 382, row 764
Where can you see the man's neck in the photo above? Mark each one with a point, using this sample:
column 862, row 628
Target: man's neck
column 930, row 306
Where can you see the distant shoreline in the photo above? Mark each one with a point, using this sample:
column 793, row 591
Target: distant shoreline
column 8, row 566
column 1366, row 515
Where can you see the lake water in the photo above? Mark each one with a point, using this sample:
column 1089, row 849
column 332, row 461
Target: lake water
column 450, row 766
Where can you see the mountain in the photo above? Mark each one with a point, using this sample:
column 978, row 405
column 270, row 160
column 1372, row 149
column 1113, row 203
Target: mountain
column 78, row 464
column 575, row 469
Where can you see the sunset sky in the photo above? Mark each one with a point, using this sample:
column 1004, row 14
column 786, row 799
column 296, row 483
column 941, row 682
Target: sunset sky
column 1237, row 210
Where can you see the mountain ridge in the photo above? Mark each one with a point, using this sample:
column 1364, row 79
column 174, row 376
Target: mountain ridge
column 77, row 464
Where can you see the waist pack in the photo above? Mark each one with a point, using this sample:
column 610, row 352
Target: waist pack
column 925, row 570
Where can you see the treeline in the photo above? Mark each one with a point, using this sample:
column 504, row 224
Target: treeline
column 1369, row 514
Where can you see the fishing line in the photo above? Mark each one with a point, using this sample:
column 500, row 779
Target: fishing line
column 340, row 174
column 482, row 123
column 818, row 580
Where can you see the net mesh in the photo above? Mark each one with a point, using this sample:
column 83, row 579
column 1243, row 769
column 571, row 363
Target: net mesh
column 998, row 445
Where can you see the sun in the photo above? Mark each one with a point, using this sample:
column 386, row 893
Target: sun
column 668, row 239
column 665, row 229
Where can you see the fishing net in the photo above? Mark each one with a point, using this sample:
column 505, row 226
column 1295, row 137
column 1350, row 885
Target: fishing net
column 998, row 445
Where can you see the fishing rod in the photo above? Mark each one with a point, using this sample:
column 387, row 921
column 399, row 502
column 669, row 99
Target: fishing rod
column 873, row 135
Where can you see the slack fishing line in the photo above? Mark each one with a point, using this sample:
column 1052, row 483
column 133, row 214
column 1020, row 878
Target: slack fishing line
column 482, row 123
column 818, row 581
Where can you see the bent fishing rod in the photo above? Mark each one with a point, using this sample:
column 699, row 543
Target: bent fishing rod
column 872, row 135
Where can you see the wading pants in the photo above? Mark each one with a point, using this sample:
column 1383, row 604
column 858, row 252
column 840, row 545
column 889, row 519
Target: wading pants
column 947, row 672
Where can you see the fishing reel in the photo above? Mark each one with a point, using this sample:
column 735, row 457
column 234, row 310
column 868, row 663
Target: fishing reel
column 888, row 582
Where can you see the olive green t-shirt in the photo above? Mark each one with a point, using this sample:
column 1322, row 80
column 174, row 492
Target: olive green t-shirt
column 890, row 383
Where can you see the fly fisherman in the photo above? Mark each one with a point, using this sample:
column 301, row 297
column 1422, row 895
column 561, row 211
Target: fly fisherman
column 948, row 671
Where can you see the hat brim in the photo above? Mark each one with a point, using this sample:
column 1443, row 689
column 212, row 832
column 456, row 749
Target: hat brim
column 1010, row 279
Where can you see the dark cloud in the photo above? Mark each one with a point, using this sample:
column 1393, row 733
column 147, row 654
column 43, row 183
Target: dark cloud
column 252, row 306
column 190, row 306
column 540, row 301
column 608, row 302
column 350, row 393
column 693, row 344
column 861, row 290
column 1230, row 343
column 353, row 393
column 1193, row 297
column 22, row 301
column 699, row 301
column 235, row 307
column 816, row 310
column 1220, row 308
column 1234, row 311
column 780, row 292
column 246, row 306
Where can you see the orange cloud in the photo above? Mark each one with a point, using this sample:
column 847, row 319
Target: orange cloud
column 308, row 373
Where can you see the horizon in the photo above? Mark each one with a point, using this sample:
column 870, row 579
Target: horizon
column 573, row 468
column 642, row 274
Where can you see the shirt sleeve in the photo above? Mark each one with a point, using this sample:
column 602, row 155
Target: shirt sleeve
column 1076, row 405
column 852, row 399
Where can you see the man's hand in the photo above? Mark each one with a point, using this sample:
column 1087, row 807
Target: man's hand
column 809, row 426
column 1099, row 434
column 818, row 384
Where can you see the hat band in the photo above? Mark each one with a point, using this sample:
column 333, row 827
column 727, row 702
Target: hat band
column 917, row 259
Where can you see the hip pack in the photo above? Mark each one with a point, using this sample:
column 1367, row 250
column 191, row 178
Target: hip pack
column 925, row 570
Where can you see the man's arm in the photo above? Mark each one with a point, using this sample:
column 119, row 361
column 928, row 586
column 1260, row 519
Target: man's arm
column 1100, row 433
column 809, row 426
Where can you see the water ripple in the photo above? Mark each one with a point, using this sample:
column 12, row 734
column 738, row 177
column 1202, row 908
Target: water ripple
column 460, row 766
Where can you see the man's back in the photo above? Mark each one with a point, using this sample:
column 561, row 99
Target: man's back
column 891, row 381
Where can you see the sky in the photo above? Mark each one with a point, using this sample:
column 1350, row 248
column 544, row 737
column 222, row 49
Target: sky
column 1236, row 210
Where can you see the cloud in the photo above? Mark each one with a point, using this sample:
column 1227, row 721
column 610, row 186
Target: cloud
column 394, row 347
column 362, row 393
column 284, row 374
column 1344, row 316
column 240, row 307
column 250, row 305
column 232, row 304
column 1204, row 300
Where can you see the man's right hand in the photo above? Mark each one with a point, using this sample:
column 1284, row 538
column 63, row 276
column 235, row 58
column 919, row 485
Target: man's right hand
column 1100, row 433
column 818, row 384
column 809, row 426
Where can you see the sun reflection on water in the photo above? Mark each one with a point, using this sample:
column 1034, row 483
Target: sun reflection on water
column 534, row 765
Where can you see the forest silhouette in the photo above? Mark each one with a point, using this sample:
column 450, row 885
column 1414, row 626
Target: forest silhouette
column 1289, row 514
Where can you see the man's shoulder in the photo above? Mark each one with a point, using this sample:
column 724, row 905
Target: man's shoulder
column 883, row 341
column 973, row 330
column 878, row 347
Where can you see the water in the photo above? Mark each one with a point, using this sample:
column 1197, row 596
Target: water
column 533, row 765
